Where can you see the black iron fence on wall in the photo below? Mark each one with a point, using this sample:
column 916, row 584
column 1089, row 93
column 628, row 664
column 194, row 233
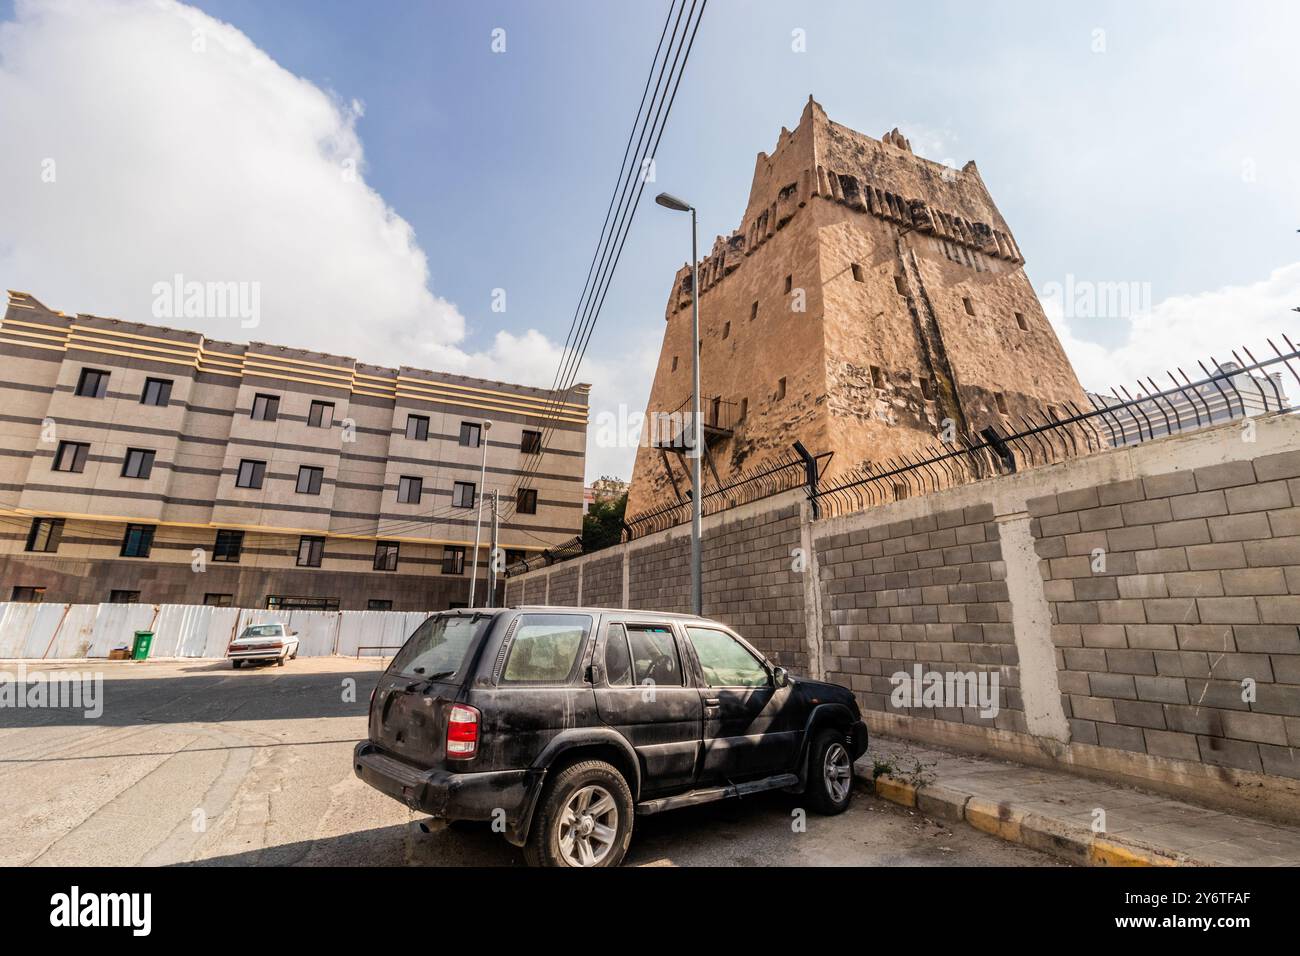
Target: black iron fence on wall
column 1237, row 389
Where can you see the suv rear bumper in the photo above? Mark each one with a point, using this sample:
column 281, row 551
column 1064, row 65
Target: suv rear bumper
column 447, row 795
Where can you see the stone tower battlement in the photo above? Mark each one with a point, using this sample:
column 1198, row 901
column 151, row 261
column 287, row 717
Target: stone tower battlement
column 870, row 301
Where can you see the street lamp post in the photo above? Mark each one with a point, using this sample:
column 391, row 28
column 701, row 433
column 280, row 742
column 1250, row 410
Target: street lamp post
column 697, row 424
column 485, row 427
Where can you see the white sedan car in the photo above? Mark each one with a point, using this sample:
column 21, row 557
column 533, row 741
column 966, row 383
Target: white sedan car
column 264, row 642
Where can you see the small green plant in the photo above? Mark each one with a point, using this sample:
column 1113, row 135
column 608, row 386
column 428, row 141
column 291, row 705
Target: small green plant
column 906, row 767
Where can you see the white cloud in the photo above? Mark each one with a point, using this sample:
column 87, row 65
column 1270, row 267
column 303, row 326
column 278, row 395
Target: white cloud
column 177, row 146
column 1180, row 330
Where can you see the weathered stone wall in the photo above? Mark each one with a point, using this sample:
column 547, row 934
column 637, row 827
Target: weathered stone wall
column 1139, row 606
column 564, row 587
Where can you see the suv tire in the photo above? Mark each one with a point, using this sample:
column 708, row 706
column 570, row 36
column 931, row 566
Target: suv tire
column 829, row 789
column 585, row 818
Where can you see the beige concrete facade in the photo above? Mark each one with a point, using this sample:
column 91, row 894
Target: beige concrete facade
column 351, row 421
column 869, row 297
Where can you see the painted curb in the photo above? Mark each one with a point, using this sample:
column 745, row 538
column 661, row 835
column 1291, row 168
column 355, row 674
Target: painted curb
column 1060, row 838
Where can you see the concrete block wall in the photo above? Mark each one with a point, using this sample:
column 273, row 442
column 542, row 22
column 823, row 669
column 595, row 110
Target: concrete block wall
column 929, row 591
column 1174, row 596
column 564, row 586
column 602, row 582
column 1122, row 599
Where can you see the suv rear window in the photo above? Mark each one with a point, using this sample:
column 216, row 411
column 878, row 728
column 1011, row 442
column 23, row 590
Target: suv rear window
column 438, row 646
column 545, row 648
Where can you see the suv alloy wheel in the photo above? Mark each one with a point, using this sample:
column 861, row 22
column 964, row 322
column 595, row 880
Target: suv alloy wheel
column 585, row 818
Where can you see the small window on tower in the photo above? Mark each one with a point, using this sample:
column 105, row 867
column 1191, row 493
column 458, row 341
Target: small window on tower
column 969, row 305
column 674, row 363
column 857, row 272
column 877, row 377
column 753, row 312
column 726, row 330
column 780, row 389
column 1020, row 321
column 900, row 285
column 789, row 284
column 1001, row 401
column 744, row 409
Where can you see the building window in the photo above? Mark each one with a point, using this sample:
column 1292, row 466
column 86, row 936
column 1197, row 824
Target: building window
column 968, row 305
column 526, row 501
column 45, row 535
column 726, row 330
column 310, row 551
column 27, row 595
column 530, row 443
column 900, row 285
column 789, row 284
column 71, row 456
column 857, row 272
column 138, row 463
column 379, row 604
column 753, row 312
column 780, row 389
column 409, row 490
column 124, row 597
column 417, row 427
column 321, row 415
column 219, row 600
column 877, row 377
column 1000, row 400
column 470, row 434
column 137, row 541
column 266, row 408
column 157, row 391
column 228, row 546
column 1022, row 322
column 674, row 363
column 251, row 474
column 744, row 409
column 93, row 383
column 515, row 555
column 279, row 602
column 386, row 555
column 462, row 494
column 309, row 479
column 453, row 559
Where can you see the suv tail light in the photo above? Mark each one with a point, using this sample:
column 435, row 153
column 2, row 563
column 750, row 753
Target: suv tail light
column 462, row 732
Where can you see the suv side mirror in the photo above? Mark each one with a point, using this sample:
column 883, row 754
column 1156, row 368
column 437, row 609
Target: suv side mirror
column 780, row 676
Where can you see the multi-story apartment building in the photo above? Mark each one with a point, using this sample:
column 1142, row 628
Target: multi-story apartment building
column 148, row 464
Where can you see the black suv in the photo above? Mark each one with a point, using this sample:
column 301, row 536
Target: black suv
column 560, row 724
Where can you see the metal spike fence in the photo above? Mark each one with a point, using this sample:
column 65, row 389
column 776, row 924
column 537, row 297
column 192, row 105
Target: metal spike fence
column 1232, row 390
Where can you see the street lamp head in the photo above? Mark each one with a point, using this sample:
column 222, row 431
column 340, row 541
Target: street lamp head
column 487, row 425
column 672, row 202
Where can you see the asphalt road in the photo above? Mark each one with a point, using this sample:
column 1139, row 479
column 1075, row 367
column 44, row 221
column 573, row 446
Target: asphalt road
column 193, row 762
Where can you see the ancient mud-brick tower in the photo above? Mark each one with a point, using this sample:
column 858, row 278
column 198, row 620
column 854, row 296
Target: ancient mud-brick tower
column 868, row 295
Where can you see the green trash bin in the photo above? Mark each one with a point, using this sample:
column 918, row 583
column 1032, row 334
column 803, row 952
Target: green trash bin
column 140, row 649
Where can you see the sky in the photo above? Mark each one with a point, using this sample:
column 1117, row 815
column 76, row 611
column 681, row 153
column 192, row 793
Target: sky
column 399, row 191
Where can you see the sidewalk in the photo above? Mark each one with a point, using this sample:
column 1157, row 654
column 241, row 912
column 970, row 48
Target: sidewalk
column 1054, row 812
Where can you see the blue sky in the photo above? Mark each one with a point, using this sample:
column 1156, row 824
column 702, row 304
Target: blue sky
column 1151, row 142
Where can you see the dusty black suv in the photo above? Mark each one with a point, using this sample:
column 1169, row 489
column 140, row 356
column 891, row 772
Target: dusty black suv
column 561, row 724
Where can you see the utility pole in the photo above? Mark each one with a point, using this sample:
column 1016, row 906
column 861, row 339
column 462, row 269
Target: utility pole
column 492, row 554
column 484, row 428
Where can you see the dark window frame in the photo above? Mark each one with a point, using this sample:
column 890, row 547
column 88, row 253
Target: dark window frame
column 137, row 540
column 53, row 536
column 453, row 558
column 229, row 599
column 315, row 476
column 144, row 463
column 419, row 424
column 526, row 501
column 315, row 545
column 471, row 434
column 387, row 554
column 457, row 497
column 530, row 442
column 228, row 546
column 316, row 414
column 268, row 404
column 257, row 478
column 99, row 382
column 80, row 452
column 407, row 484
column 28, row 594
column 163, row 392
column 123, row 596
